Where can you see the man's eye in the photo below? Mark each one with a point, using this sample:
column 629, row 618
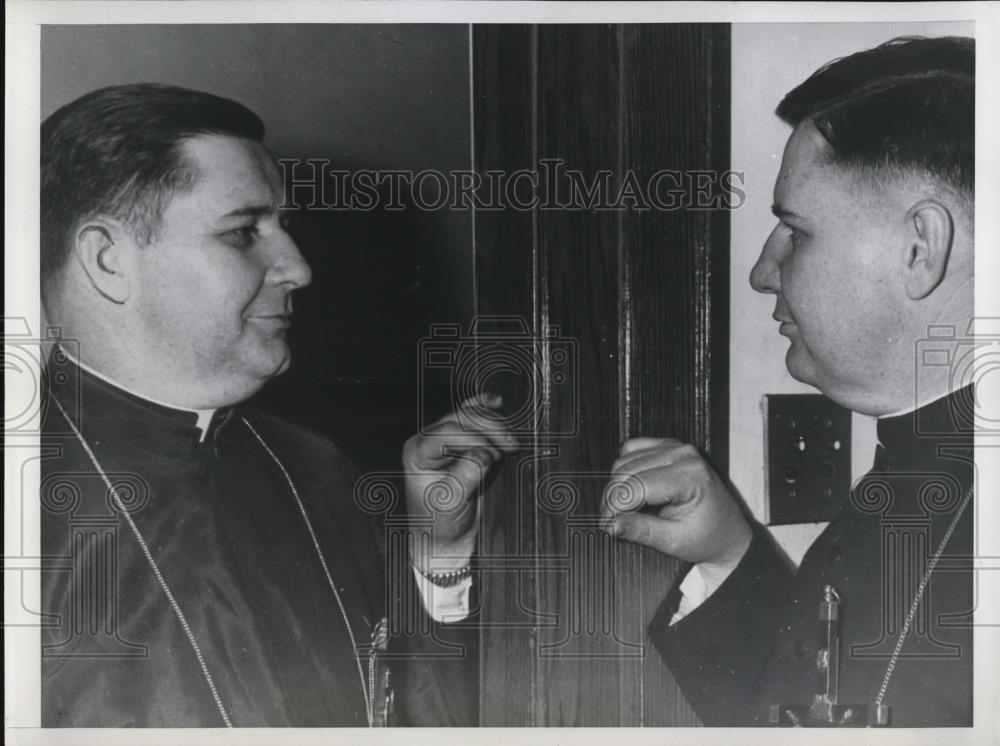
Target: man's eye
column 794, row 236
column 242, row 238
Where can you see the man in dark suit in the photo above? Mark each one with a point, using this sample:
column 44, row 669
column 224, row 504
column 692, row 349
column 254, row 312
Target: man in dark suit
column 872, row 253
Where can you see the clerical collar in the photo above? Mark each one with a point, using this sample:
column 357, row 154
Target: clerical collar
column 946, row 418
column 919, row 405
column 110, row 416
column 204, row 416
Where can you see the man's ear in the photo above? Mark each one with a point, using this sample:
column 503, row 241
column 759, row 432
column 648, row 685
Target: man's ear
column 100, row 247
column 930, row 232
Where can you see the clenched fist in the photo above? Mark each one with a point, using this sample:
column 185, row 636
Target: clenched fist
column 663, row 494
column 445, row 467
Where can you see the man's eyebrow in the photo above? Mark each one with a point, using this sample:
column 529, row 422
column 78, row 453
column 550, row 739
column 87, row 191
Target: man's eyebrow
column 251, row 211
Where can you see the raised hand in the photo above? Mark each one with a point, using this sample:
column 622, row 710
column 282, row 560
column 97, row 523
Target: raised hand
column 445, row 468
column 663, row 494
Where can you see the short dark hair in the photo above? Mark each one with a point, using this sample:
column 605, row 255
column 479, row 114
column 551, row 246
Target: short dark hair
column 906, row 106
column 117, row 151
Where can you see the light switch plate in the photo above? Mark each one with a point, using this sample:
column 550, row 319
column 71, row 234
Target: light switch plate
column 808, row 452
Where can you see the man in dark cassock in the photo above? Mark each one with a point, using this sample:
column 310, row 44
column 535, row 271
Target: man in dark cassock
column 871, row 266
column 208, row 564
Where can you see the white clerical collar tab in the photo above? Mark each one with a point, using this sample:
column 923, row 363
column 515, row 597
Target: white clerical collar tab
column 204, row 415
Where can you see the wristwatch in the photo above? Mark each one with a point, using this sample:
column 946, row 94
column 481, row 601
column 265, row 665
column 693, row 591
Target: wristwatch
column 447, row 579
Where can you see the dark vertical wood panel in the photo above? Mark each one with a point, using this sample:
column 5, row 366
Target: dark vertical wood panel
column 642, row 297
column 719, row 245
column 590, row 672
column 676, row 117
column 503, row 82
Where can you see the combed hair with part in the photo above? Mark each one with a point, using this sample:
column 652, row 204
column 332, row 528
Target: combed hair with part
column 117, row 152
column 904, row 107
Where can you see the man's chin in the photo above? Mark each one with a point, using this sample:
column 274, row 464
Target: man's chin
column 278, row 364
column 270, row 361
column 284, row 365
column 799, row 366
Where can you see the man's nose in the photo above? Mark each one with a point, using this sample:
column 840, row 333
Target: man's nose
column 288, row 266
column 765, row 277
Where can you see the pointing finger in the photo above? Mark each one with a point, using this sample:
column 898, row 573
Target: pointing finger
column 433, row 451
column 484, row 401
column 464, row 451
column 474, row 418
column 493, row 401
column 640, row 444
column 670, row 452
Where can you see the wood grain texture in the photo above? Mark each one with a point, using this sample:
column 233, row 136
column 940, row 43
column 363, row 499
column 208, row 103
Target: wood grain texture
column 640, row 296
column 676, row 117
column 503, row 84
column 589, row 663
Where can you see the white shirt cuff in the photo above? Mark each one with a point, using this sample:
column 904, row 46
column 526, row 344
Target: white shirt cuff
column 444, row 604
column 700, row 583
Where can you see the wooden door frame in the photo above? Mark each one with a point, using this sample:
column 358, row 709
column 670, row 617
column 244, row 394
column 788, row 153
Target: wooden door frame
column 643, row 296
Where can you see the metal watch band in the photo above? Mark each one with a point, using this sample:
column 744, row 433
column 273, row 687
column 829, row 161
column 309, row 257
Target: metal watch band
column 447, row 579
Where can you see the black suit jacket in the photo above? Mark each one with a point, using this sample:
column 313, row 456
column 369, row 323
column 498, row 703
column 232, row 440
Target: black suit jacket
column 754, row 642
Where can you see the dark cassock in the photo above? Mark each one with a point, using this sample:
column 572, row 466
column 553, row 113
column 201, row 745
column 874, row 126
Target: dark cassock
column 207, row 570
column 758, row 641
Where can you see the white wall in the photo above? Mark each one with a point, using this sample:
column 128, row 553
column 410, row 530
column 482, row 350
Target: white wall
column 768, row 60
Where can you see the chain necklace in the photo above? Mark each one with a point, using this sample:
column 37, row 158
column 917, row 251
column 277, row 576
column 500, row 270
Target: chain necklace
column 326, row 570
column 120, row 505
column 919, row 595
